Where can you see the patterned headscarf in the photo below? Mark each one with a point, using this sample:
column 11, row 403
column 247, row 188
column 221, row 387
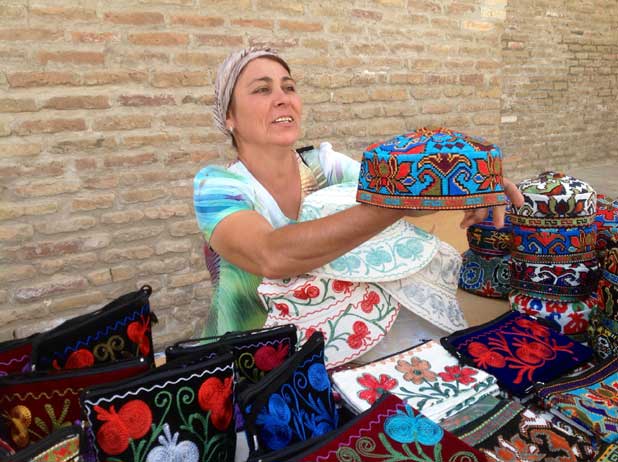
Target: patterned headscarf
column 227, row 75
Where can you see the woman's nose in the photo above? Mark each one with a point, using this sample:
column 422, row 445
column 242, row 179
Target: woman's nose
column 281, row 97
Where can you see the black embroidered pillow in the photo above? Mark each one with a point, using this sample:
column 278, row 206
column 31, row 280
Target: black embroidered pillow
column 182, row 413
column 119, row 330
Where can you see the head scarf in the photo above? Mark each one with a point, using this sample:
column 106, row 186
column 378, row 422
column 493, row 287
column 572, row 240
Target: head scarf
column 227, row 75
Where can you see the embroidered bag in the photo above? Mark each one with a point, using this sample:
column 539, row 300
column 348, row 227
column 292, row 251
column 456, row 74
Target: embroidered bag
column 256, row 352
column 427, row 377
column 177, row 412
column 15, row 355
column 510, row 432
column 518, row 350
column 5, row 449
column 293, row 403
column 603, row 335
column 607, row 453
column 119, row 330
column 589, row 401
column 34, row 405
column 63, row 445
column 389, row 431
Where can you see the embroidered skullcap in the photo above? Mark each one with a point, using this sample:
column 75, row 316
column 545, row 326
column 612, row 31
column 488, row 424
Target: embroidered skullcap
column 227, row 75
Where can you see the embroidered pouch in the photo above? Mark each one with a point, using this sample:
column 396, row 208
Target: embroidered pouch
column 589, row 400
column 5, row 449
column 607, row 290
column 510, row 432
column 293, row 403
column 119, row 330
column 603, row 335
column 63, row 445
column 34, row 405
column 518, row 350
column 484, row 275
column 432, row 170
column 15, row 355
column 475, row 411
column 427, row 377
column 389, row 431
column 571, row 315
column 182, row 413
column 256, row 352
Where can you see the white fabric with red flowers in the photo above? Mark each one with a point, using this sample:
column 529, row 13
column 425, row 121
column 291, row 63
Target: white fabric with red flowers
column 427, row 377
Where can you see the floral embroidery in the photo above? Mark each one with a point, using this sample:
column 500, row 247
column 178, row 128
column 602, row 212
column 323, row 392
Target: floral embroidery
column 268, row 357
column 389, row 175
column 77, row 360
column 138, row 331
column 305, row 293
column 375, row 387
column 359, row 337
column 405, row 427
column 458, row 374
column 20, row 419
column 342, row 286
column 283, row 308
column 491, row 171
column 370, row 300
column 132, row 421
column 173, row 451
column 416, row 371
column 215, row 396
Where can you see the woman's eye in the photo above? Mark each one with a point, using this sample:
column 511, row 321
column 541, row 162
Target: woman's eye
column 290, row 88
column 262, row 90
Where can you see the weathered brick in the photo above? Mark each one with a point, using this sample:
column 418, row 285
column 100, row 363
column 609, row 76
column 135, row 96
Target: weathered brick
column 472, row 79
column 188, row 120
column 52, row 287
column 29, row 127
column 143, row 195
column 20, row 314
column 366, row 14
column 279, row 44
column 17, row 105
column 71, row 57
column 300, row 26
column 77, row 301
column 12, row 273
column 67, row 263
column 20, row 150
column 41, row 79
column 100, row 277
column 177, row 246
column 85, row 164
column 182, row 190
column 80, row 146
column 10, row 211
column 129, row 160
column 121, row 217
column 388, row 94
column 137, row 234
column 5, row 128
column 138, row 141
column 47, row 187
column 118, row 254
column 66, row 225
column 13, row 13
column 146, row 100
column 197, row 21
column 129, row 122
column 201, row 157
column 436, row 108
column 180, row 79
column 159, row 38
column 166, row 211
column 62, row 14
column 185, row 279
column 219, row 40
column 92, row 202
column 137, row 18
column 94, row 37
column 198, row 59
column 33, row 34
column 478, row 26
column 77, row 102
column 122, row 273
column 183, row 228
column 114, row 77
column 256, row 23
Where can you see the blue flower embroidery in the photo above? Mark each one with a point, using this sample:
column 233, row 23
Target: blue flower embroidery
column 274, row 423
column 405, row 427
column 410, row 248
column 378, row 257
column 346, row 263
column 318, row 378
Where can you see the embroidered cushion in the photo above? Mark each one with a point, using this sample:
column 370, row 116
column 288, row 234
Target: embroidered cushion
column 554, row 195
column 119, row 330
column 294, row 403
column 510, row 432
column 400, row 250
column 427, row 377
column 484, row 275
column 63, row 445
column 15, row 355
column 432, row 170
column 587, row 400
column 34, row 405
column 571, row 315
column 178, row 412
column 518, row 350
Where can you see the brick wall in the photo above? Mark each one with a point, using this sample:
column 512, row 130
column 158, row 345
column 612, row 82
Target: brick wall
column 105, row 118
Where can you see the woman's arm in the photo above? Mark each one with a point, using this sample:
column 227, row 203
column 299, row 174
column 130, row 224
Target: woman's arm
column 247, row 239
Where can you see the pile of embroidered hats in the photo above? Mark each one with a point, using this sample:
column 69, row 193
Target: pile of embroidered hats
column 554, row 265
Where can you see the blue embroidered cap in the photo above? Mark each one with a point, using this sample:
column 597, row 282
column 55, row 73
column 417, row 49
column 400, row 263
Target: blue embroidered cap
column 432, row 170
column 484, row 275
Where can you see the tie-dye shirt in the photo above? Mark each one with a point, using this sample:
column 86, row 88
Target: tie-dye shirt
column 221, row 191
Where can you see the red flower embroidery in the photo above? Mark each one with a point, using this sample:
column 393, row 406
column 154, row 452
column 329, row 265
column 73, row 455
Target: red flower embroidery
column 267, row 357
column 305, row 293
column 359, row 337
column 488, row 291
column 388, row 174
column 132, row 421
column 370, row 300
column 491, row 169
column 137, row 331
column 77, row 360
column 459, row 374
column 283, row 308
column 342, row 286
column 375, row 387
column 577, row 324
column 215, row 396
column 538, row 330
column 484, row 357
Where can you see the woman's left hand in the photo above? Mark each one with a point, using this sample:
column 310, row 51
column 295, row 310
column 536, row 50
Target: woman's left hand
column 474, row 216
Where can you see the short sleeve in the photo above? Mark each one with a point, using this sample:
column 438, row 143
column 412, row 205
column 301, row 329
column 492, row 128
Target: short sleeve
column 338, row 168
column 217, row 193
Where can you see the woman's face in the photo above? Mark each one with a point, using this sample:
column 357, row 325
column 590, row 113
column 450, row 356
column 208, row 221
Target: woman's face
column 265, row 108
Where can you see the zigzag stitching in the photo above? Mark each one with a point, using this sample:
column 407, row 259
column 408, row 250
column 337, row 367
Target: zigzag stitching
column 117, row 325
column 366, row 429
column 44, row 394
column 14, row 360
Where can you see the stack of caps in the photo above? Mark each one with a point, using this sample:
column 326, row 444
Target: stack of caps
column 554, row 267
column 606, row 222
column 603, row 329
column 485, row 267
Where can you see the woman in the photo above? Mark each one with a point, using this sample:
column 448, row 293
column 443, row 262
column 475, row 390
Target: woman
column 248, row 212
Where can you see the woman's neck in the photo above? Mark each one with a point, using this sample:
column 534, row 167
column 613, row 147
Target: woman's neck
column 269, row 165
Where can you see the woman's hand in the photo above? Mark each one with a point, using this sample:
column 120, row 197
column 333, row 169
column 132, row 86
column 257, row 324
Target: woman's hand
column 474, row 216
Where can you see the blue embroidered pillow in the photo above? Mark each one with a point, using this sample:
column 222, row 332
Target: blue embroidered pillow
column 293, row 403
column 518, row 350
